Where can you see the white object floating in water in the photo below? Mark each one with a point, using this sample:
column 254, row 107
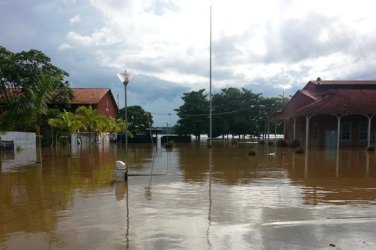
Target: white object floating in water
column 121, row 173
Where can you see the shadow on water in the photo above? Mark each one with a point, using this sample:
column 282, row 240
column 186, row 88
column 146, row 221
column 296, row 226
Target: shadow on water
column 189, row 196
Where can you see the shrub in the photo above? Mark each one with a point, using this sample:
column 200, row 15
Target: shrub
column 299, row 150
column 281, row 143
column 233, row 142
column 251, row 152
column 270, row 143
column 169, row 144
column 371, row 148
column 261, row 142
column 294, row 143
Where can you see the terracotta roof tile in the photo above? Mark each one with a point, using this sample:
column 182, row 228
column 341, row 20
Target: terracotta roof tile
column 337, row 97
column 88, row 95
column 345, row 82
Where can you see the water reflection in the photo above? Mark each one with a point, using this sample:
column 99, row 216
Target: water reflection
column 190, row 197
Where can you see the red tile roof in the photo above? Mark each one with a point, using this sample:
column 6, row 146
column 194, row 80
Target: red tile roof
column 343, row 101
column 88, row 95
column 335, row 97
column 345, row 82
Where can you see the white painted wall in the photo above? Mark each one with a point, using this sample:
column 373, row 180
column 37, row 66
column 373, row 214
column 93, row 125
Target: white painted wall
column 21, row 140
column 24, row 150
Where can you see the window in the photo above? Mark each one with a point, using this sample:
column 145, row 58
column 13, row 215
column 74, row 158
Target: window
column 346, row 131
column 363, row 131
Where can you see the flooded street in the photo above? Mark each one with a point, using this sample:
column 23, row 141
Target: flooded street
column 191, row 197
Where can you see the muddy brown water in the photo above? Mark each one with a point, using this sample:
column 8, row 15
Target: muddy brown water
column 191, row 197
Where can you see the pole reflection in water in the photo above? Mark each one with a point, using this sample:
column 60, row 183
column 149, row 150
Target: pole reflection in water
column 128, row 221
column 121, row 190
column 337, row 162
column 210, row 196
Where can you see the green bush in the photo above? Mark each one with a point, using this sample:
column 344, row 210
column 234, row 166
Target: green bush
column 261, row 142
column 294, row 144
column 282, row 143
column 371, row 148
column 299, row 150
column 169, row 144
column 251, row 152
column 234, row 142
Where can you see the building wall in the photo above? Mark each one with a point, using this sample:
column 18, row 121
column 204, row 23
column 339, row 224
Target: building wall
column 299, row 100
column 107, row 106
column 24, row 151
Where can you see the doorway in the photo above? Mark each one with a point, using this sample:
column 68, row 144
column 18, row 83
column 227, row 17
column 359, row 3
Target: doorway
column 330, row 138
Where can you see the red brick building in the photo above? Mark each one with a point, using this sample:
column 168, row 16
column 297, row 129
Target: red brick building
column 100, row 99
column 322, row 110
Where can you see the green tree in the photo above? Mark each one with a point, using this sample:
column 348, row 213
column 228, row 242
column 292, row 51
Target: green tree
column 67, row 123
column 115, row 125
column 22, row 71
column 29, row 83
column 233, row 110
column 193, row 114
column 138, row 119
column 89, row 119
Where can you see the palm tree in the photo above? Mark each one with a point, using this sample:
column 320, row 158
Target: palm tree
column 67, row 122
column 115, row 125
column 89, row 119
column 33, row 104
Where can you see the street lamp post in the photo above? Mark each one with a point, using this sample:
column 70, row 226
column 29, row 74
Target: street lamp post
column 124, row 78
column 210, row 84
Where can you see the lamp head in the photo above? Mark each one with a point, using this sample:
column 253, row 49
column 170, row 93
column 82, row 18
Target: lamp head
column 124, row 77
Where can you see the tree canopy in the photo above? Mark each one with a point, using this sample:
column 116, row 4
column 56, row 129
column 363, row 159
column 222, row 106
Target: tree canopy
column 193, row 113
column 234, row 111
column 138, row 119
column 28, row 84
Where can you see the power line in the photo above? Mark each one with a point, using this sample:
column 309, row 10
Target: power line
column 216, row 114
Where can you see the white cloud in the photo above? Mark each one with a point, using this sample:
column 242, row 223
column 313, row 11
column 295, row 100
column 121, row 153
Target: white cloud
column 65, row 46
column 80, row 40
column 253, row 41
column 75, row 19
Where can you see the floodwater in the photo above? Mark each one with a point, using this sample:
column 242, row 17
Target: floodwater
column 191, row 197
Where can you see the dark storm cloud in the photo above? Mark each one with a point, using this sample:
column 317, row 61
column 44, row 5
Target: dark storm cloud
column 151, row 88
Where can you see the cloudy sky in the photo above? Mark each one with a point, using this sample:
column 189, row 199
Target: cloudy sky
column 270, row 47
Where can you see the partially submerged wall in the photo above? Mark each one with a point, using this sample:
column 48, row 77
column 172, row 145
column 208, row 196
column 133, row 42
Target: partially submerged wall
column 24, row 152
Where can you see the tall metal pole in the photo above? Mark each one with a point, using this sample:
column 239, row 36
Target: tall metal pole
column 210, row 83
column 126, row 122
column 124, row 78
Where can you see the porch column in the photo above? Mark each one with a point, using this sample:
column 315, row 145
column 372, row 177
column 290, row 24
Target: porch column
column 338, row 130
column 294, row 129
column 369, row 130
column 275, row 132
column 307, row 132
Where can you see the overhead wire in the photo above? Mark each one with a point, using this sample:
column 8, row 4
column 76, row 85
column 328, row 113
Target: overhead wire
column 213, row 114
